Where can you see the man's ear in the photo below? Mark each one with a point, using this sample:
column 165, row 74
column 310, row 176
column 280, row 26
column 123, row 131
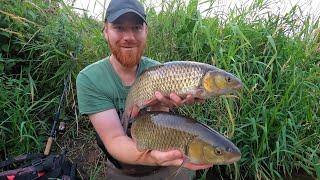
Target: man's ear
column 146, row 27
column 105, row 32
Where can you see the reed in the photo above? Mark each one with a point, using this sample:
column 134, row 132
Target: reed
column 274, row 120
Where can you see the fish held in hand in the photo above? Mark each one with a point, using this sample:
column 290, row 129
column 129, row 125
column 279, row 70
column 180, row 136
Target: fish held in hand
column 181, row 77
column 200, row 144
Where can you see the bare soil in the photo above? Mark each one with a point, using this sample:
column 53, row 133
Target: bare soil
column 82, row 149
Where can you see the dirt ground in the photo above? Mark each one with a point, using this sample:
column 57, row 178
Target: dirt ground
column 82, row 149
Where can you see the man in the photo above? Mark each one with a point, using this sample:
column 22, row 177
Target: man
column 102, row 88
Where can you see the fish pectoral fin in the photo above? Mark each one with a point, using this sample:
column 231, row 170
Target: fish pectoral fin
column 193, row 161
column 231, row 96
column 198, row 93
column 186, row 159
column 175, row 173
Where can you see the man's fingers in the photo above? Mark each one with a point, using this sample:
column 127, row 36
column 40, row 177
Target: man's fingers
column 188, row 100
column 135, row 111
column 164, row 100
column 151, row 102
column 175, row 158
column 176, row 162
column 194, row 167
column 175, row 98
column 198, row 100
column 169, row 158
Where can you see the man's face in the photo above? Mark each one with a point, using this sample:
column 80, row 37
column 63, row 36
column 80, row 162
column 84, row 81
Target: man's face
column 127, row 39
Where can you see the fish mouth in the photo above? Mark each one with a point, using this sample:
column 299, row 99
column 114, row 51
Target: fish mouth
column 221, row 91
column 234, row 157
column 239, row 86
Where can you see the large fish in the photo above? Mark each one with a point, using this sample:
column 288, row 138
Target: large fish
column 200, row 144
column 183, row 78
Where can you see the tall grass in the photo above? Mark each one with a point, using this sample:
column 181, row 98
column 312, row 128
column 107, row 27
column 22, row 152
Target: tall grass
column 277, row 115
column 274, row 120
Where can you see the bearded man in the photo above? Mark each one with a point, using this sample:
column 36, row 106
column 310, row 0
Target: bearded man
column 102, row 88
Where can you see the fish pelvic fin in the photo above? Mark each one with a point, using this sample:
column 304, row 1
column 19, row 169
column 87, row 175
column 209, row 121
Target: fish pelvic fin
column 176, row 172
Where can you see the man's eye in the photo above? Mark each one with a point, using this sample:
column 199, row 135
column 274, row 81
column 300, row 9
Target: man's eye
column 138, row 27
column 119, row 28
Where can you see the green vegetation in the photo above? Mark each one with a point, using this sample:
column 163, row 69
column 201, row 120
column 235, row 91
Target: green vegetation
column 274, row 121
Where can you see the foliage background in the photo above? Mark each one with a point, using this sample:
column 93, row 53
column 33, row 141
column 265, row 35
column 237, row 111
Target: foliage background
column 275, row 120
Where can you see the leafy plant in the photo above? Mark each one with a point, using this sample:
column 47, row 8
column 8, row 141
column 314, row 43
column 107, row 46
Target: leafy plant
column 274, row 120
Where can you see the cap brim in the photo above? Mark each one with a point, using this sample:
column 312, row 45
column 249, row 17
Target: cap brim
column 121, row 12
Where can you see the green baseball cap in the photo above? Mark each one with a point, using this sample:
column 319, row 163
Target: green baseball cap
column 117, row 8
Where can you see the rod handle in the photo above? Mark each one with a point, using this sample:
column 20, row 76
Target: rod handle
column 48, row 146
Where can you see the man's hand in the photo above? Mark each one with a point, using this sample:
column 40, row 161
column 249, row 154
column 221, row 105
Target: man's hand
column 162, row 103
column 175, row 158
column 173, row 100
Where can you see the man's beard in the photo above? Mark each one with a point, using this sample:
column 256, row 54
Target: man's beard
column 130, row 58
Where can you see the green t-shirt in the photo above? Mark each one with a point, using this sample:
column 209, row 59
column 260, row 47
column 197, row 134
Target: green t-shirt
column 99, row 88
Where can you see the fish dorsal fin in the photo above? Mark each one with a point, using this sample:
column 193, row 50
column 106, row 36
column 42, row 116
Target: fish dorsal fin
column 206, row 126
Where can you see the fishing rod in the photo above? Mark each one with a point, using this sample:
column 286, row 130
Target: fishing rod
column 54, row 128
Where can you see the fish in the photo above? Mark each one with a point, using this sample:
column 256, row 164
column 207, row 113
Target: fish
column 198, row 142
column 181, row 77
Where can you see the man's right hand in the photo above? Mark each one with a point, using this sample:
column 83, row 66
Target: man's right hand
column 175, row 158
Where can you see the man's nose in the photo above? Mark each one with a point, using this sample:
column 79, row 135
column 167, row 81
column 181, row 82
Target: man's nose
column 129, row 34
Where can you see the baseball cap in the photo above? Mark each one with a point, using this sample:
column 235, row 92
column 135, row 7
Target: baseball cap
column 117, row 8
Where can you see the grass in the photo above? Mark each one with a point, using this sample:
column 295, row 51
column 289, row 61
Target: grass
column 274, row 120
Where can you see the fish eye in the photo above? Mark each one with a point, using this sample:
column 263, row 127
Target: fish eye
column 218, row 151
column 228, row 79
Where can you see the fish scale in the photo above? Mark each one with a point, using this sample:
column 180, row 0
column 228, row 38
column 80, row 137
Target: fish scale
column 181, row 77
column 165, row 131
column 174, row 138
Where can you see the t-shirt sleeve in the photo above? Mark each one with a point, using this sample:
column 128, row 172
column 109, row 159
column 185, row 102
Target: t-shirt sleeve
column 90, row 98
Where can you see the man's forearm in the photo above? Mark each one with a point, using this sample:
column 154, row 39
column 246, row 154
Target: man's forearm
column 120, row 146
column 125, row 151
